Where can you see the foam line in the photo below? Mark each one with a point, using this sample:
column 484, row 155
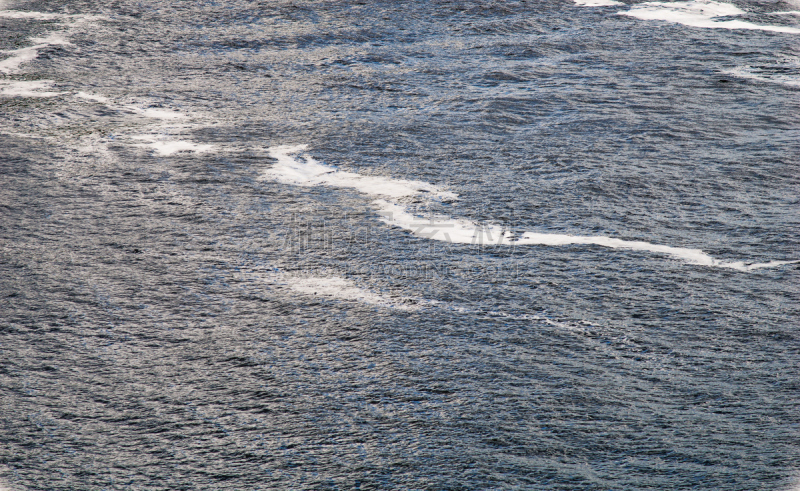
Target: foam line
column 156, row 141
column 442, row 228
column 309, row 172
column 23, row 55
column 20, row 14
column 18, row 57
column 455, row 231
column 93, row 97
column 751, row 73
column 16, row 14
column 27, row 89
column 170, row 147
column 597, row 3
column 706, row 14
column 156, row 113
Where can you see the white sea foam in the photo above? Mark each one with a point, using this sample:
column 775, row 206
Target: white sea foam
column 442, row 228
column 786, row 73
column 17, row 14
column 344, row 289
column 18, row 57
column 468, row 309
column 701, row 13
column 790, row 12
column 161, row 136
column 162, row 114
column 171, row 147
column 456, row 231
column 93, row 97
column 597, row 3
column 27, row 88
column 77, row 19
column 309, row 172
column 51, row 40
column 156, row 113
column 23, row 55
column 334, row 288
column 149, row 112
column 305, row 171
column 751, row 73
column 32, row 15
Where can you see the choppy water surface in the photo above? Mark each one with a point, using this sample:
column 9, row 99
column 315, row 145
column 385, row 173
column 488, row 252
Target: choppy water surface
column 386, row 245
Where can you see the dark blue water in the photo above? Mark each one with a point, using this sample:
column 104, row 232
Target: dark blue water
column 178, row 311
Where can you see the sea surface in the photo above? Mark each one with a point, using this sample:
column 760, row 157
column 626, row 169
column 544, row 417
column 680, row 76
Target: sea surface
column 442, row 245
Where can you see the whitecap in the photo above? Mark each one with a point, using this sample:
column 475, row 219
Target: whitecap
column 310, row 172
column 442, row 228
column 27, row 88
column 306, row 171
column 33, row 15
column 171, row 147
column 148, row 112
column 18, row 14
column 701, row 13
column 93, row 97
column 597, row 3
column 786, row 72
column 154, row 113
column 23, row 55
column 457, row 231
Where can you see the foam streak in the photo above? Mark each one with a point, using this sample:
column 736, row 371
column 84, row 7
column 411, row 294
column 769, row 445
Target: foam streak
column 309, row 172
column 699, row 13
column 466, row 232
column 27, row 89
column 23, row 55
column 597, row 3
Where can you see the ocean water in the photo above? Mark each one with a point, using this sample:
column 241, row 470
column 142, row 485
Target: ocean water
column 292, row 244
